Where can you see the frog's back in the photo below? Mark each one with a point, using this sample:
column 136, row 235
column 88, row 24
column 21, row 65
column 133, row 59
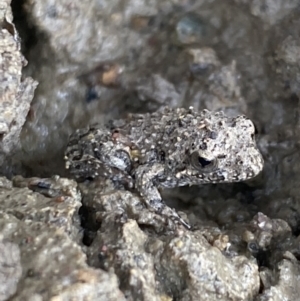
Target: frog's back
column 151, row 130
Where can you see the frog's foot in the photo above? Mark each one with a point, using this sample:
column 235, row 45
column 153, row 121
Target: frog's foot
column 159, row 207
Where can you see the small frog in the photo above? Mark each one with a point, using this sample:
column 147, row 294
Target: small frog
column 168, row 148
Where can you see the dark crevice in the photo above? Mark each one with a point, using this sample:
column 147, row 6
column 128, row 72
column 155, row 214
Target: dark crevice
column 89, row 224
column 25, row 28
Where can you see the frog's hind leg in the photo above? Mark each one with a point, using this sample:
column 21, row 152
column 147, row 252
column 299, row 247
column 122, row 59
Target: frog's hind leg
column 93, row 153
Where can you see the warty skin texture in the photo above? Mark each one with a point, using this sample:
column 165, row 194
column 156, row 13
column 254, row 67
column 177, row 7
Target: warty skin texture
column 168, row 148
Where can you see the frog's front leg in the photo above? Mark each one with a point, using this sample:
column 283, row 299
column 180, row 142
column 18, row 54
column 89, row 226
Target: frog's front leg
column 146, row 180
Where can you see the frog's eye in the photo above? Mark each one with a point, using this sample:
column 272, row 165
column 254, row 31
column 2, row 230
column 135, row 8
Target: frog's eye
column 203, row 164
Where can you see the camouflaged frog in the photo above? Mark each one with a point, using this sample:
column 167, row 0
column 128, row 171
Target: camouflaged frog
column 168, row 148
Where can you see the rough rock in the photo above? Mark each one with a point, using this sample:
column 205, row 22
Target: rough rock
column 10, row 269
column 59, row 209
column 40, row 236
column 184, row 264
column 15, row 93
column 97, row 61
column 286, row 284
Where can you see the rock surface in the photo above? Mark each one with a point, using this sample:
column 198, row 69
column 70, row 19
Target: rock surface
column 95, row 61
column 10, row 269
column 44, row 238
column 16, row 93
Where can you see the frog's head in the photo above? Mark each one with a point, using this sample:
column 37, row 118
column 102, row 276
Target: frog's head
column 223, row 150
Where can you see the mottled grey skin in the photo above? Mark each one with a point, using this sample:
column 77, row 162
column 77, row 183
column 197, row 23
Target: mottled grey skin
column 169, row 148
